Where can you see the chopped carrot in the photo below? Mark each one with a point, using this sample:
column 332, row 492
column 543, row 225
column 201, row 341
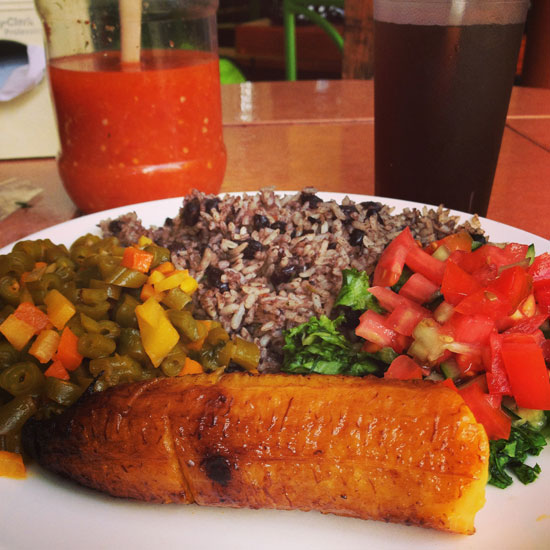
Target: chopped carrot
column 45, row 345
column 67, row 350
column 33, row 316
column 165, row 267
column 191, row 367
column 137, row 259
column 17, row 332
column 370, row 347
column 57, row 370
column 148, row 291
column 11, row 465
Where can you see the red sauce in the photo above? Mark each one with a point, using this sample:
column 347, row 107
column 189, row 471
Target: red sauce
column 138, row 134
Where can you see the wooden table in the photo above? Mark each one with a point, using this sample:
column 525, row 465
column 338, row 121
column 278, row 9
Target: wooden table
column 321, row 134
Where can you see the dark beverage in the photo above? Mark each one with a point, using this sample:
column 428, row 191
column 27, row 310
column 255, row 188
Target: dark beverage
column 441, row 97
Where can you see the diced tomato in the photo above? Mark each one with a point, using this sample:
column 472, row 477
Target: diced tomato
column 485, row 302
column 457, row 283
column 373, row 327
column 471, row 329
column 389, row 300
column 421, row 262
column 497, row 379
column 540, row 268
column 542, row 295
column 403, row 319
column 527, row 372
column 390, row 265
column 514, row 283
column 469, row 364
column 418, row 288
column 546, row 350
column 496, row 423
column 515, row 252
column 404, row 368
column 530, row 325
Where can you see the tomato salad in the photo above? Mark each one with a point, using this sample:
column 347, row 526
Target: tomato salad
column 469, row 315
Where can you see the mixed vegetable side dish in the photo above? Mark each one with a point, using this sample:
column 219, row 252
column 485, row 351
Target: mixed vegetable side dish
column 94, row 316
column 468, row 315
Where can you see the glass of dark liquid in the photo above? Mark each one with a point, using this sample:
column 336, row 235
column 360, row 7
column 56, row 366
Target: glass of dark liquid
column 444, row 71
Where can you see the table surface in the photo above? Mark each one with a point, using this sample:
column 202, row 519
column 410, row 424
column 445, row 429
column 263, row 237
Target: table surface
column 321, row 133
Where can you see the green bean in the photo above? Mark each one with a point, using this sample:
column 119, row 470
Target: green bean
column 93, row 296
column 185, row 324
column 107, row 264
column 130, row 344
column 42, row 286
column 95, row 346
column 115, row 370
column 216, row 335
column 62, row 392
column 22, row 378
column 208, row 356
column 8, row 354
column 125, row 312
column 172, row 364
column 5, row 312
column 113, row 291
column 16, row 263
column 126, row 277
column 89, row 324
column 33, row 249
column 160, row 254
column 83, row 247
column 15, row 413
column 104, row 327
column 10, row 290
column 176, row 298
column 246, row 354
column 97, row 312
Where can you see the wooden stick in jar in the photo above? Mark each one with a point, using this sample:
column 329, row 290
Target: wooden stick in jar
column 130, row 31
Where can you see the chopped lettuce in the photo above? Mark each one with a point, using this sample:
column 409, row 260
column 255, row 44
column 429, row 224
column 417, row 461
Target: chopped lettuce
column 319, row 347
column 354, row 292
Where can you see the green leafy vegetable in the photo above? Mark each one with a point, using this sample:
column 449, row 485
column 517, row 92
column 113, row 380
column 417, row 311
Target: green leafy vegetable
column 318, row 346
column 510, row 455
column 354, row 292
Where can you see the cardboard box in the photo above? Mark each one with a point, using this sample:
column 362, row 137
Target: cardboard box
column 27, row 122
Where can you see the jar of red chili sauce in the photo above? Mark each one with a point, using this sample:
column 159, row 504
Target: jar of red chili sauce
column 136, row 89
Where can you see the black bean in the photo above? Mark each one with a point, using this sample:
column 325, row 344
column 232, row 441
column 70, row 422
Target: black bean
column 311, row 219
column 191, row 212
column 284, row 274
column 371, row 208
column 260, row 221
column 250, row 251
column 210, row 204
column 115, row 227
column 310, row 198
column 281, row 226
column 331, row 246
column 348, row 209
column 356, row 237
column 214, row 278
column 169, row 222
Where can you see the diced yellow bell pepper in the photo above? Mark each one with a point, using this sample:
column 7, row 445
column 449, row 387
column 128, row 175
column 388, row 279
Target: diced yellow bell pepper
column 17, row 332
column 144, row 241
column 155, row 277
column 172, row 281
column 59, row 308
column 158, row 335
column 189, row 285
column 45, row 345
column 11, row 465
column 148, row 291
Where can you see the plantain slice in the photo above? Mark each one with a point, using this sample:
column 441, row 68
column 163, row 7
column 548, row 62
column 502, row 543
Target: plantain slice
column 406, row 452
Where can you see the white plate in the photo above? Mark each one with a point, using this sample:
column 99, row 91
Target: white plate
column 46, row 512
